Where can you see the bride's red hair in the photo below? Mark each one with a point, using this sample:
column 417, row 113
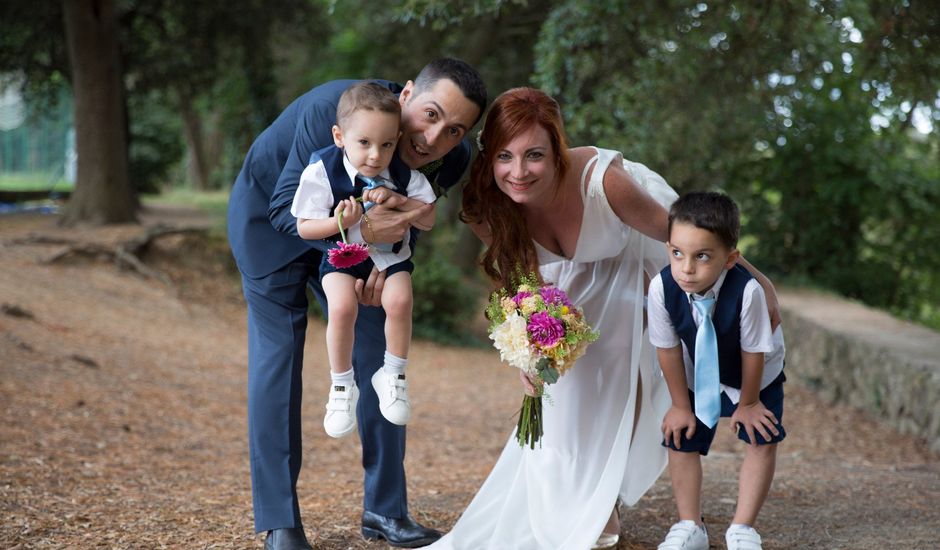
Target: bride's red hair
column 511, row 246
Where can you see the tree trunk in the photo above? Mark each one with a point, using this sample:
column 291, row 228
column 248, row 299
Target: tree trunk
column 213, row 142
column 197, row 166
column 102, row 191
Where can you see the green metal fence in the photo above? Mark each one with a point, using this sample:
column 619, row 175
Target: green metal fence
column 37, row 147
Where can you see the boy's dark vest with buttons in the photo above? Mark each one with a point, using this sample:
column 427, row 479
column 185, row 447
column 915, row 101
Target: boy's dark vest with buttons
column 726, row 318
column 343, row 188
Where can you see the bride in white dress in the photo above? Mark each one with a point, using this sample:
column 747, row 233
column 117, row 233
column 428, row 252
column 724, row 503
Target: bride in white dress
column 584, row 218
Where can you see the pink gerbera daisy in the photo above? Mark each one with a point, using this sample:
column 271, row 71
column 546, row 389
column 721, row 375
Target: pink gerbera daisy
column 347, row 254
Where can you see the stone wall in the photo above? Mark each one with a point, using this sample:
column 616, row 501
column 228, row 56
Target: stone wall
column 854, row 354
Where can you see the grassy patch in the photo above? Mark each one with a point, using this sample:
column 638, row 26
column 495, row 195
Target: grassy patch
column 213, row 203
column 33, row 181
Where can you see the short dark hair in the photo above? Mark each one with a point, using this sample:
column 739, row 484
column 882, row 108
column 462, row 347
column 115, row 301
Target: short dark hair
column 460, row 73
column 367, row 96
column 711, row 211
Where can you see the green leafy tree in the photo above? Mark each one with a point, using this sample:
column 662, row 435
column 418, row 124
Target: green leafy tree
column 802, row 110
column 126, row 62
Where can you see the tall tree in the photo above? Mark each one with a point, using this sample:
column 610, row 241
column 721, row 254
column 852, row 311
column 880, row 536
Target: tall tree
column 102, row 193
column 162, row 54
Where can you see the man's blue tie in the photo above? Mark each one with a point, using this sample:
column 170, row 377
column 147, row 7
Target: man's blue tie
column 707, row 388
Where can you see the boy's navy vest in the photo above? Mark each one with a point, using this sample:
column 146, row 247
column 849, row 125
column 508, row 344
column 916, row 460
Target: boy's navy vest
column 343, row 188
column 726, row 318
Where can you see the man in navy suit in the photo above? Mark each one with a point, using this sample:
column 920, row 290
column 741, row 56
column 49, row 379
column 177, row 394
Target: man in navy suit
column 438, row 109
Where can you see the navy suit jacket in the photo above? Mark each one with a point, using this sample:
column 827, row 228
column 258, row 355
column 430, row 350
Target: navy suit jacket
column 261, row 230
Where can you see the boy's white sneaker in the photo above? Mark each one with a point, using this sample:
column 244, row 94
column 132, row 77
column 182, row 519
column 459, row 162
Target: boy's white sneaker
column 340, row 419
column 742, row 537
column 685, row 535
column 392, row 390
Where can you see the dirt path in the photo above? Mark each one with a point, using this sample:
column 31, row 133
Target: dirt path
column 124, row 407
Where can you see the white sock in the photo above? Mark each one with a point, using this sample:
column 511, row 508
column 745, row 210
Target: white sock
column 394, row 364
column 343, row 378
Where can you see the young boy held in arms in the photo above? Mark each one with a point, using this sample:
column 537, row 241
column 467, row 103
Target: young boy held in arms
column 362, row 166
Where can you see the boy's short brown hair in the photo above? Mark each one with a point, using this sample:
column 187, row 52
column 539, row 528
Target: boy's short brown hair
column 367, row 96
column 711, row 211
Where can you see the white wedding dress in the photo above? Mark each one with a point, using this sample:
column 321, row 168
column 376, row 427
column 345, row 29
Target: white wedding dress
column 598, row 442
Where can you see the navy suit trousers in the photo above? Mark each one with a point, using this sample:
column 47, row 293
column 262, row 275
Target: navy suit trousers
column 277, row 322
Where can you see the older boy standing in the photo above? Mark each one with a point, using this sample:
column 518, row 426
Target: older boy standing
column 708, row 319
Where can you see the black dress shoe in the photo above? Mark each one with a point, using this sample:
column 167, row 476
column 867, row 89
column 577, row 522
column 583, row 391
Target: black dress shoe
column 402, row 533
column 292, row 538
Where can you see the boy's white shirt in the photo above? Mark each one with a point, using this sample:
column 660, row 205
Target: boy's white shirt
column 756, row 336
column 314, row 200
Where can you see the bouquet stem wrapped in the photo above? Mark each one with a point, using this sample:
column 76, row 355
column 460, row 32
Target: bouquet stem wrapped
column 529, row 429
column 538, row 330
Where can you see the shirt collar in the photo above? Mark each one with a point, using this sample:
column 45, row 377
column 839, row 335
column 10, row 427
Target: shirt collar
column 712, row 292
column 352, row 172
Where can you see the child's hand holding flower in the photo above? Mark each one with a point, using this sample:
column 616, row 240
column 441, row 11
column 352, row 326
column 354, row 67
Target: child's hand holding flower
column 347, row 254
column 350, row 210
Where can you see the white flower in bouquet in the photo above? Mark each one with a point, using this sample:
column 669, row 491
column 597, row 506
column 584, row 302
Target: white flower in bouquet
column 512, row 340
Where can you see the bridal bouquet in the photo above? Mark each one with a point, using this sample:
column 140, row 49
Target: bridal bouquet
column 538, row 330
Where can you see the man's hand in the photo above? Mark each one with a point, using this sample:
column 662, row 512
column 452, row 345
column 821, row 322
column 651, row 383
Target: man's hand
column 389, row 226
column 369, row 292
column 754, row 418
column 675, row 423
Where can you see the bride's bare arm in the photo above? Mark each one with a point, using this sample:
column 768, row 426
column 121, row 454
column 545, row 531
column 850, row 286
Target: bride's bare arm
column 633, row 205
column 636, row 208
column 770, row 293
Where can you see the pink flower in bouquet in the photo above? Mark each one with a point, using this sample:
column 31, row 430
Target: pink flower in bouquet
column 520, row 296
column 347, row 254
column 545, row 330
column 555, row 296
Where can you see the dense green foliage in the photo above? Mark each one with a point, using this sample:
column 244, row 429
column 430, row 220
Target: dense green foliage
column 803, row 111
column 445, row 300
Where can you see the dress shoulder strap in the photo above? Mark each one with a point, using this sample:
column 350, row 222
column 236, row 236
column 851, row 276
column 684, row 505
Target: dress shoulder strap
column 600, row 162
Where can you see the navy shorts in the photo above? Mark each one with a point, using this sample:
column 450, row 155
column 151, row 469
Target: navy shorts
column 771, row 397
column 363, row 269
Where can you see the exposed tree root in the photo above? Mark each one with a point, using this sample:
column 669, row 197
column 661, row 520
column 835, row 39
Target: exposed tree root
column 127, row 254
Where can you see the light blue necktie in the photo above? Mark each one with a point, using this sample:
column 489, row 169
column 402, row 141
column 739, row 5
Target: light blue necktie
column 374, row 183
column 707, row 388
column 371, row 183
